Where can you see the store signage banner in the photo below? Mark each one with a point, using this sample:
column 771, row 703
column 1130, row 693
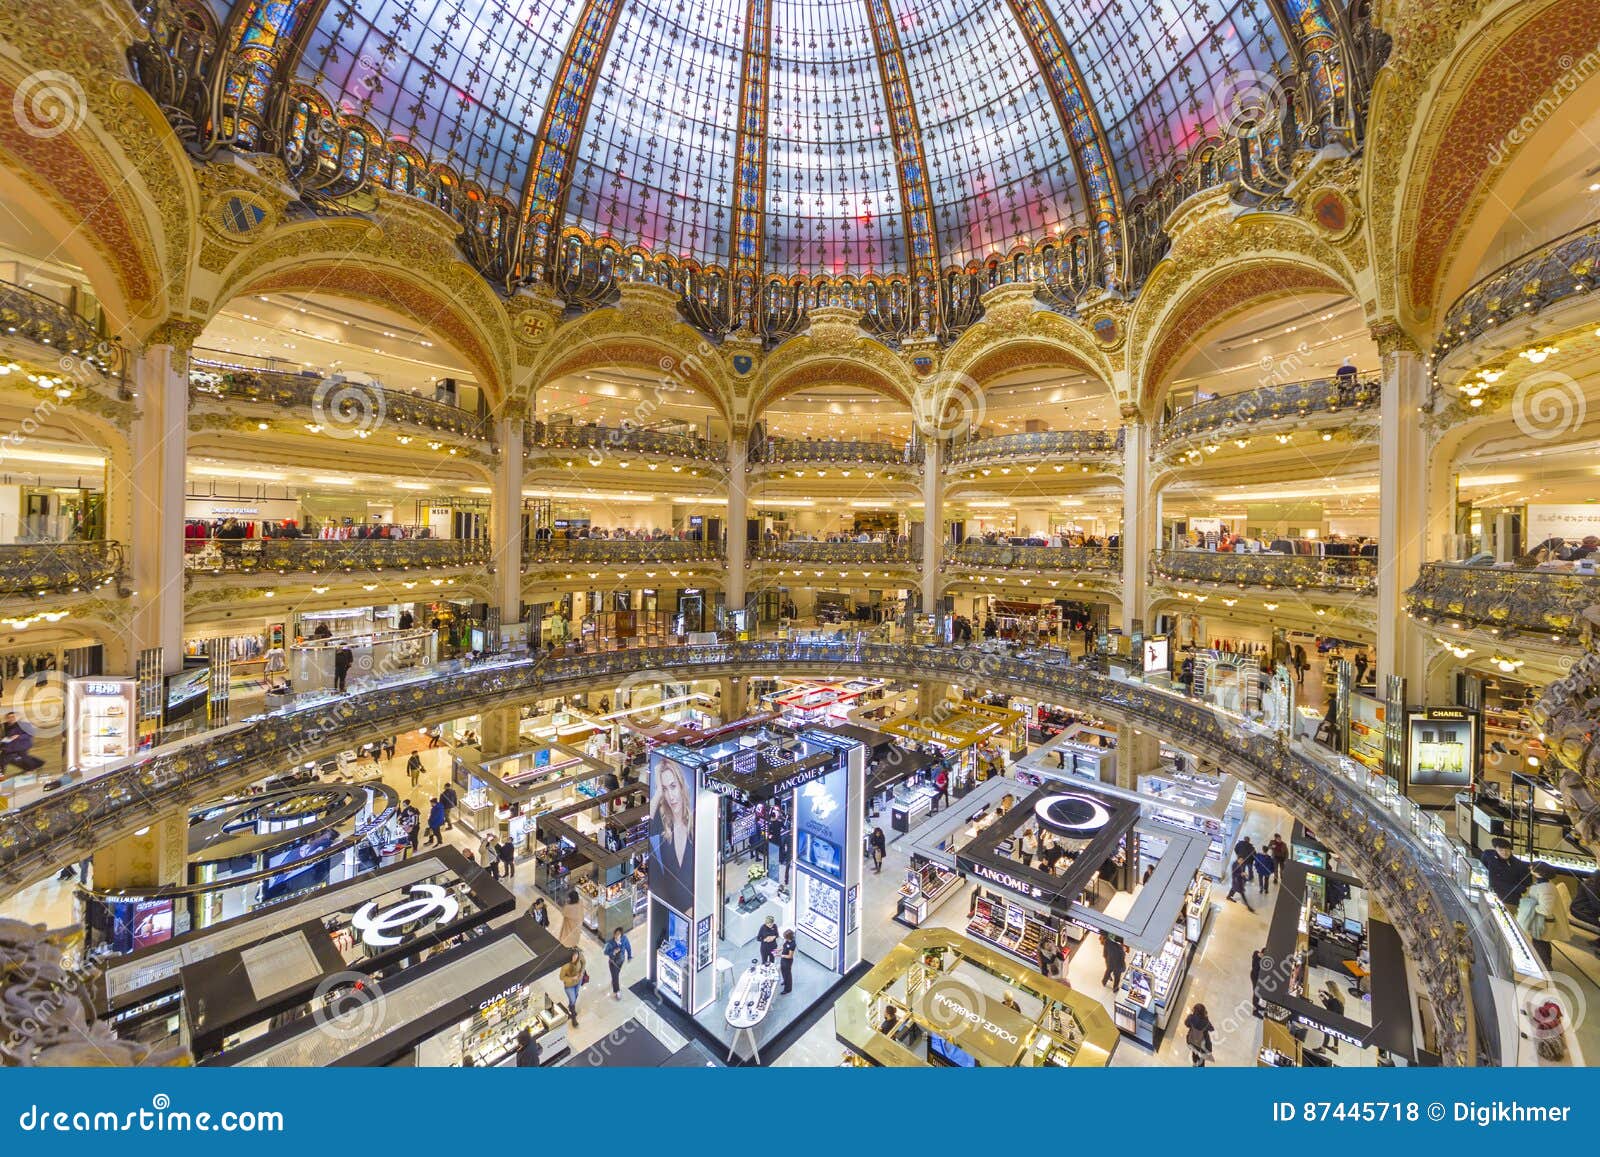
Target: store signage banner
column 1572, row 523
column 1441, row 747
column 672, row 831
column 821, row 820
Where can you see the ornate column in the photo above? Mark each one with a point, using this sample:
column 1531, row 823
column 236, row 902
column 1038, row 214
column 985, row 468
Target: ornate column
column 145, row 495
column 154, row 855
column 1138, row 515
column 1403, row 503
column 505, row 521
column 499, row 732
column 738, row 515
column 933, row 533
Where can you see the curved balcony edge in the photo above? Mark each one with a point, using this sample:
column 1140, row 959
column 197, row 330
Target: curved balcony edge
column 1261, row 409
column 217, row 557
column 1354, row 575
column 1504, row 601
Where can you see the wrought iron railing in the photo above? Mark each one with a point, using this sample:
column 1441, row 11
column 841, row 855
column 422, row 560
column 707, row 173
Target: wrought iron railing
column 1565, row 714
column 796, row 451
column 1299, row 572
column 1004, row 556
column 1053, row 445
column 330, row 556
column 342, row 407
column 55, row 567
column 36, row 318
column 1238, row 413
column 1504, row 600
column 620, row 551
column 834, row 553
column 1421, row 883
column 612, row 440
column 1557, row 271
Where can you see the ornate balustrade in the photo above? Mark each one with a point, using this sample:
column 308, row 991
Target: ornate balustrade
column 1273, row 572
column 798, row 452
column 608, row 440
column 1419, row 884
column 1566, row 713
column 620, row 551
column 222, row 556
column 1240, row 413
column 834, row 553
column 32, row 317
column 1053, row 445
column 1003, row 556
column 37, row 568
column 1504, row 600
column 337, row 405
column 1554, row 273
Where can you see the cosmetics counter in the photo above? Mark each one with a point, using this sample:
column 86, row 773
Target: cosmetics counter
column 503, row 797
column 311, row 662
column 597, row 847
column 926, row 888
column 1195, row 801
column 1081, row 750
column 566, row 726
column 809, row 703
column 488, row 1038
column 1152, row 986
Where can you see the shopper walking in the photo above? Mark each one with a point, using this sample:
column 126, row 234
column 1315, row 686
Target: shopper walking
column 540, row 913
column 1266, row 868
column 573, row 977
column 1239, row 878
column 435, row 821
column 1508, row 876
column 388, row 747
column 414, row 769
column 1255, row 983
column 449, row 799
column 786, row 961
column 1116, row 961
column 618, row 952
column 941, row 780
column 410, row 823
column 1331, row 1000
column 1280, row 854
column 343, row 659
column 571, row 919
column 880, row 849
column 528, row 1051
column 489, row 856
column 435, row 737
column 1027, row 847
column 1198, row 1035
column 767, row 939
column 1542, row 912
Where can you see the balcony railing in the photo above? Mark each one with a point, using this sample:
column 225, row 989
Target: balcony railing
column 337, row 405
column 1559, row 271
column 620, row 551
column 1003, row 556
column 1051, row 444
column 1504, row 600
column 55, row 567
column 1355, row 575
column 795, row 451
column 608, row 440
column 330, row 556
column 36, row 318
column 1241, row 412
column 1420, row 877
column 834, row 553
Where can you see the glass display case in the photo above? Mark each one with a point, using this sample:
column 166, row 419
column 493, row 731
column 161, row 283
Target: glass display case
column 1150, row 988
column 818, row 915
column 927, row 886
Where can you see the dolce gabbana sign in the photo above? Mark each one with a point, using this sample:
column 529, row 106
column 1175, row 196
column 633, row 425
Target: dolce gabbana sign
column 951, row 1006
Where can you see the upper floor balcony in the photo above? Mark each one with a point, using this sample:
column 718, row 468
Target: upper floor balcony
column 247, row 556
column 1353, row 575
column 803, row 552
column 38, row 568
column 597, row 444
column 339, row 406
column 620, row 551
column 71, row 351
column 1056, row 448
column 1271, row 410
column 1538, row 282
column 807, row 452
column 1006, row 557
column 1504, row 601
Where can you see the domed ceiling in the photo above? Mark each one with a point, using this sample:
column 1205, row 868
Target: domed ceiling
column 876, row 135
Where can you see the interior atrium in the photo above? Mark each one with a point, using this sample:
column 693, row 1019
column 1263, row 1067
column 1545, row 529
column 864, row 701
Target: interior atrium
column 963, row 533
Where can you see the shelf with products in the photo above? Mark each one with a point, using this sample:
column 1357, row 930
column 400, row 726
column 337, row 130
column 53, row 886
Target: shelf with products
column 1149, row 992
column 927, row 886
column 1011, row 928
column 490, row 1037
column 818, row 915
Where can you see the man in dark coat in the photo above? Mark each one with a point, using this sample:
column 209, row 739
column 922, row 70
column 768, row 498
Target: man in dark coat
column 343, row 658
column 15, row 744
column 1508, row 876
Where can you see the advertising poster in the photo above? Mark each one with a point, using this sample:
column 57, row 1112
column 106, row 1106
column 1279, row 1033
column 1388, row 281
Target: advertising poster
column 1441, row 747
column 820, row 824
column 1157, row 656
column 672, row 836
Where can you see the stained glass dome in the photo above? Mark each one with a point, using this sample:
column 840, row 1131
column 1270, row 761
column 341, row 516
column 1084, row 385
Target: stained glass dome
column 834, row 136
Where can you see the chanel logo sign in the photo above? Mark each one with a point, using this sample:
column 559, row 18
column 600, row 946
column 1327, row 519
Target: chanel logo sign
column 429, row 904
column 1075, row 814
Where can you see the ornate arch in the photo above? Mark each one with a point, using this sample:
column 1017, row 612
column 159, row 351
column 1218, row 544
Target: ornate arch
column 833, row 353
column 1469, row 102
column 828, row 369
column 996, row 346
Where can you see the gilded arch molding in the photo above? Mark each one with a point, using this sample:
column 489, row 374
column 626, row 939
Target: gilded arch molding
column 990, row 349
column 807, row 361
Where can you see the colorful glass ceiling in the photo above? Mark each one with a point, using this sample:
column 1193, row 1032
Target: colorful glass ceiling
column 652, row 98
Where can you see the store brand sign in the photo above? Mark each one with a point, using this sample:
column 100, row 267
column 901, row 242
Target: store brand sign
column 951, row 1006
column 1004, row 879
column 430, row 904
column 1076, row 815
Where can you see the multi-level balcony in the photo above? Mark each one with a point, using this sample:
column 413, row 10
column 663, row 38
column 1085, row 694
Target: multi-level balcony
column 1280, row 413
column 806, row 458
column 1504, row 601
column 849, row 554
column 314, row 556
column 1057, row 449
column 1356, row 575
column 564, row 442
column 40, row 568
column 58, row 356
column 620, row 551
column 1004, row 556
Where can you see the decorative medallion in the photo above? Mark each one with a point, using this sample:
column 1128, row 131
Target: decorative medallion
column 743, row 364
column 533, row 327
column 1331, row 211
column 237, row 214
column 923, row 365
column 1107, row 330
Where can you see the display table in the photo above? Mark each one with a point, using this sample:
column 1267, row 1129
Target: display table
column 926, row 889
column 909, row 805
column 740, row 926
column 749, row 1003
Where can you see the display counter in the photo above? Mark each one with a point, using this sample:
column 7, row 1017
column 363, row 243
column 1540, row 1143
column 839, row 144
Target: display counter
column 1194, row 801
column 910, row 803
column 386, row 652
column 926, row 888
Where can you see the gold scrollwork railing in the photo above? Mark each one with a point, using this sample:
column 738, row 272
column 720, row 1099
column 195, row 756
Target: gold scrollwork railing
column 620, row 551
column 1053, row 445
column 797, row 451
column 1301, row 572
column 1003, row 556
column 1238, row 413
column 35, row 318
column 221, row 556
column 1504, row 600
column 834, row 553
column 37, row 568
column 622, row 440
